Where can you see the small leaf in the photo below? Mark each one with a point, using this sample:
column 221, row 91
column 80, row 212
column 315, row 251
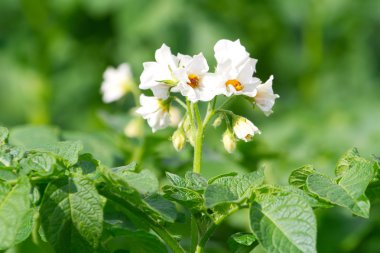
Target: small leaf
column 230, row 174
column 68, row 151
column 196, row 181
column 14, row 205
column 284, row 223
column 242, row 242
column 72, row 214
column 231, row 189
column 298, row 177
column 40, row 163
column 184, row 196
column 345, row 161
column 6, row 173
column 162, row 206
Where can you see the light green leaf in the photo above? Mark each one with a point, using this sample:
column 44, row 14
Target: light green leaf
column 232, row 189
column 26, row 226
column 9, row 156
column 72, row 214
column 242, row 242
column 144, row 182
column 40, row 163
column 345, row 161
column 14, row 205
column 327, row 190
column 68, row 151
column 193, row 181
column 230, row 174
column 6, row 173
column 284, row 223
column 298, row 177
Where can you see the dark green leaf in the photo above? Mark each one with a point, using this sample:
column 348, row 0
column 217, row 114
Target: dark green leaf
column 184, row 196
column 164, row 207
column 72, row 214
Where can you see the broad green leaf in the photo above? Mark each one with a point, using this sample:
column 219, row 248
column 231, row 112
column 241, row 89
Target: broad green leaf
column 298, row 177
column 162, row 206
column 72, row 214
column 134, row 242
column 184, row 196
column 31, row 137
column 87, row 164
column 242, row 242
column 373, row 191
column 345, row 161
column 327, row 190
column 14, row 205
column 284, row 223
column 39, row 163
column 349, row 191
column 232, row 189
column 3, row 134
column 144, row 182
column 68, row 151
column 193, row 181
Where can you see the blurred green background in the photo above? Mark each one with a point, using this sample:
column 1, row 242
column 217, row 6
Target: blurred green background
column 325, row 56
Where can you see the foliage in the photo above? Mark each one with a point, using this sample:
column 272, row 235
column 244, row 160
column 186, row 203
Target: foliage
column 49, row 193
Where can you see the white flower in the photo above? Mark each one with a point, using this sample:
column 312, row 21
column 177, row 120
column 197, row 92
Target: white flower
column 175, row 116
column 117, row 82
column 192, row 78
column 229, row 141
column 265, row 97
column 158, row 75
column 243, row 128
column 155, row 111
column 235, row 69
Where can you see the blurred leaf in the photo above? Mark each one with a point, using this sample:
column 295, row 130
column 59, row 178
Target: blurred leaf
column 6, row 173
column 284, row 222
column 26, row 226
column 31, row 137
column 162, row 206
column 67, row 151
column 40, row 163
column 3, row 134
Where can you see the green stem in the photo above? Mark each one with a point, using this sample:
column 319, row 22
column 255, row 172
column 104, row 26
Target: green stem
column 206, row 236
column 198, row 150
column 194, row 234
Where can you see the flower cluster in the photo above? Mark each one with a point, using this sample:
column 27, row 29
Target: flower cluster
column 170, row 75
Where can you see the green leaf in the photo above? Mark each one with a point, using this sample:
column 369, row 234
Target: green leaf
column 72, row 214
column 242, row 242
column 230, row 174
column 3, row 135
column 284, row 223
column 184, row 196
column 31, row 137
column 26, row 226
column 162, row 206
column 67, row 151
column 345, row 161
column 327, row 190
column 9, row 156
column 134, row 242
column 87, row 164
column 232, row 189
column 144, row 182
column 298, row 177
column 14, row 205
column 349, row 192
column 192, row 181
column 40, row 163
column 7, row 173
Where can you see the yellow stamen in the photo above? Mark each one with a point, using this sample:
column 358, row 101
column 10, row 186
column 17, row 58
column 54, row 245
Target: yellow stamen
column 237, row 85
column 194, row 81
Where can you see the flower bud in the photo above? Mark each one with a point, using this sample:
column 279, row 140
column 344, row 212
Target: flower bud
column 189, row 131
column 178, row 139
column 229, row 141
column 134, row 128
column 243, row 128
column 217, row 121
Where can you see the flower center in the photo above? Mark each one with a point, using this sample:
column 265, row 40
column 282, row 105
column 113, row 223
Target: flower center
column 194, row 81
column 237, row 85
